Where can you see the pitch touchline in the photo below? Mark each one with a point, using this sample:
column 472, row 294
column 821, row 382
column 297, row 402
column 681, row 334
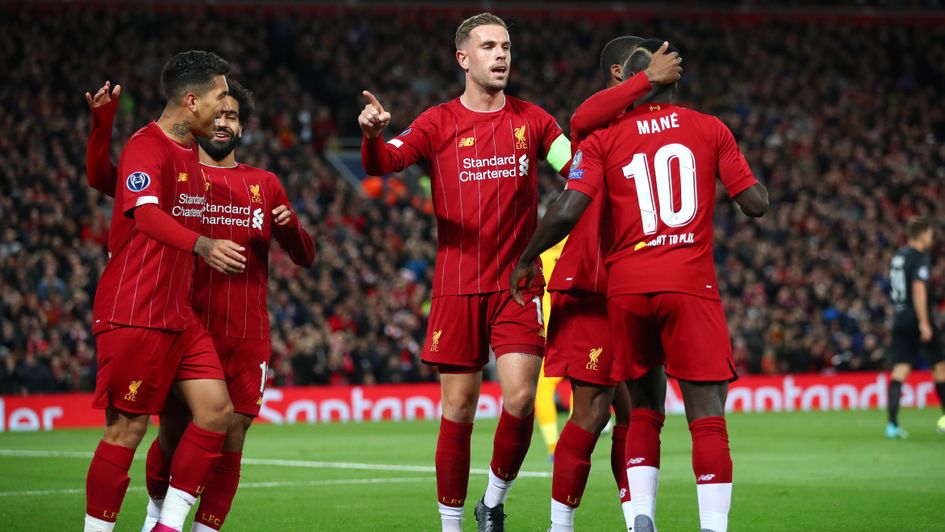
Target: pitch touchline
column 243, row 485
column 26, row 453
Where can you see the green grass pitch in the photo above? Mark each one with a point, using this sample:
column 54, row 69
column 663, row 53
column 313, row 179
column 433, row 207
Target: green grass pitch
column 793, row 471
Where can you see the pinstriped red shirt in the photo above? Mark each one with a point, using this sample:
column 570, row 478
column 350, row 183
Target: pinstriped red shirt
column 240, row 201
column 483, row 168
column 147, row 283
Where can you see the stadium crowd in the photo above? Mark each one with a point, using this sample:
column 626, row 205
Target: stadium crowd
column 839, row 119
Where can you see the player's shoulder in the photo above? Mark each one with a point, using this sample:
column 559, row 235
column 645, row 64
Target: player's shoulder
column 150, row 133
column 520, row 106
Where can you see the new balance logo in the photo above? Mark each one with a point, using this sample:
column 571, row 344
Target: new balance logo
column 466, row 142
column 258, row 219
column 705, row 478
column 636, row 461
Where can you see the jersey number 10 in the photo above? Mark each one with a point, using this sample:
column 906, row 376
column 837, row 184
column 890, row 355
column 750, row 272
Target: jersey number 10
column 639, row 171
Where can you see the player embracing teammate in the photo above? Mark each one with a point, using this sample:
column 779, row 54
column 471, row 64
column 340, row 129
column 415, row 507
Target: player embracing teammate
column 247, row 206
column 658, row 165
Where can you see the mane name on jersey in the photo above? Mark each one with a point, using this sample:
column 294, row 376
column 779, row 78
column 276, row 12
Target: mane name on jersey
column 655, row 125
column 495, row 167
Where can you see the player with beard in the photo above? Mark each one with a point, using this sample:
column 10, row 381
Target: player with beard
column 482, row 150
column 148, row 337
column 241, row 199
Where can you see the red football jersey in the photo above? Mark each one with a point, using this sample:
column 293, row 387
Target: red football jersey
column 658, row 165
column 581, row 264
column 240, row 201
column 483, row 167
column 147, row 283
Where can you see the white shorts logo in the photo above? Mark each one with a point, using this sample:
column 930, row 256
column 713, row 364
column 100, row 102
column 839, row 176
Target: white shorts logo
column 705, row 478
column 258, row 219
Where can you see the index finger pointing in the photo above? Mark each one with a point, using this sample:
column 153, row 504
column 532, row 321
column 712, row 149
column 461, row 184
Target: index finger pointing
column 663, row 48
column 373, row 101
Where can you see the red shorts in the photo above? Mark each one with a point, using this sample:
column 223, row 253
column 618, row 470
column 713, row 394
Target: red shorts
column 136, row 366
column 462, row 328
column 685, row 333
column 245, row 364
column 579, row 338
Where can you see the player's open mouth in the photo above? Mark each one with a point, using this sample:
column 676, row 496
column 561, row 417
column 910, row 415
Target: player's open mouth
column 222, row 135
column 500, row 69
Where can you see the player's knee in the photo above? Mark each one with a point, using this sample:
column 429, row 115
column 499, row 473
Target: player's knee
column 216, row 417
column 593, row 418
column 460, row 409
column 127, row 431
column 236, row 434
column 519, row 403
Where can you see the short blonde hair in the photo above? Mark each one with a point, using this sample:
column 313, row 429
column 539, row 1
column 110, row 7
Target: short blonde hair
column 473, row 22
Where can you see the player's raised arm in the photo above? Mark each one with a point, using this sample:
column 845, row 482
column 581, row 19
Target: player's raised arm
column 102, row 173
column 379, row 157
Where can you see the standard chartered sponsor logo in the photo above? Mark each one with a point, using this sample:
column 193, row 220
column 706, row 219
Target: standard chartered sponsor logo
column 189, row 206
column 493, row 168
column 233, row 215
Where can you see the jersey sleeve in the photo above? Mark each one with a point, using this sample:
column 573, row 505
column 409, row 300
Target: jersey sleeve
column 605, row 106
column 555, row 146
column 139, row 174
column 293, row 238
column 413, row 144
column 733, row 169
column 99, row 169
column 587, row 168
column 921, row 269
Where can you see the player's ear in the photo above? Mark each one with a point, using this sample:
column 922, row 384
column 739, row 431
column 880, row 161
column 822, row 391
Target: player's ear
column 190, row 101
column 462, row 59
column 616, row 72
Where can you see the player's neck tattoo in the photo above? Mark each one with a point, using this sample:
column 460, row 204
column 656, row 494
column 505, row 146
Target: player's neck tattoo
column 181, row 130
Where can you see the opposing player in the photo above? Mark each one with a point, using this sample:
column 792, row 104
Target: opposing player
column 233, row 308
column 147, row 334
column 482, row 150
column 578, row 333
column 658, row 164
column 914, row 336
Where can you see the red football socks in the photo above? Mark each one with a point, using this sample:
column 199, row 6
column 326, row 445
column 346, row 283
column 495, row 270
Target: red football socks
column 452, row 462
column 218, row 497
column 618, row 464
column 643, row 449
column 512, row 438
column 107, row 481
column 195, row 458
column 572, row 464
column 711, row 458
column 157, row 471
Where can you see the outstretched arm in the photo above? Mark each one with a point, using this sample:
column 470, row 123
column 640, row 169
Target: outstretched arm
column 557, row 222
column 102, row 173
